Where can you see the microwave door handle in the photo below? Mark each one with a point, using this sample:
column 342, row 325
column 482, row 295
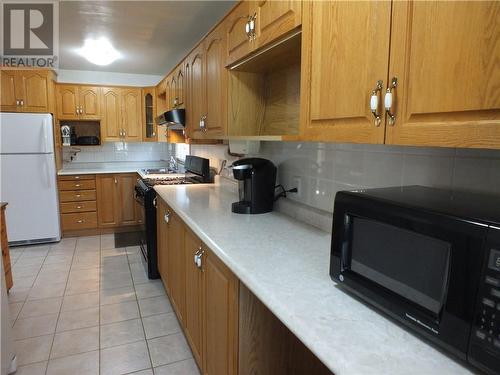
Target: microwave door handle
column 346, row 256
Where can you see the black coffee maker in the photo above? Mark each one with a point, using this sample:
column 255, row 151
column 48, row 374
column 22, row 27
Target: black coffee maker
column 257, row 180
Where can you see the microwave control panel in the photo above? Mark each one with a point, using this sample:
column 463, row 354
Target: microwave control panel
column 486, row 328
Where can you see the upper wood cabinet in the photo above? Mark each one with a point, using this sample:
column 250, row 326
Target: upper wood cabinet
column 274, row 19
column 215, row 83
column 111, row 123
column 122, row 117
column 27, row 91
column 180, row 82
column 132, row 114
column 354, row 38
column 445, row 56
column 196, row 93
column 78, row 102
column 150, row 129
column 254, row 24
column 8, row 99
column 238, row 38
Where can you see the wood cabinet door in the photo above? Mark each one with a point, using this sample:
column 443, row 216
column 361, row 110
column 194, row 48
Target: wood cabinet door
column 8, row 98
column 90, row 103
column 173, row 91
column 180, row 85
column 132, row 114
column 221, row 317
column 150, row 129
column 111, row 123
column 445, row 57
column 108, row 210
column 67, row 102
column 128, row 207
column 215, row 83
column 238, row 42
column 168, row 95
column 35, row 88
column 162, row 243
column 194, row 288
column 197, row 93
column 273, row 19
column 176, row 265
column 345, row 51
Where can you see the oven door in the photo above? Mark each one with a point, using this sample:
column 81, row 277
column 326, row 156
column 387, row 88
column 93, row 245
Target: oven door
column 420, row 268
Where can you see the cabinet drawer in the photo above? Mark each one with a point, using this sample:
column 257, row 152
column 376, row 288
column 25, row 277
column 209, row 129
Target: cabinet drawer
column 75, row 177
column 70, row 207
column 77, row 185
column 76, row 196
column 84, row 220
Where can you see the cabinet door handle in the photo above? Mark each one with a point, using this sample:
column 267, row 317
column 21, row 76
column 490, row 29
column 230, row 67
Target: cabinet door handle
column 18, row 102
column 116, row 181
column 124, row 133
column 81, row 109
column 196, row 254
column 389, row 101
column 166, row 217
column 251, row 24
column 154, row 134
column 374, row 104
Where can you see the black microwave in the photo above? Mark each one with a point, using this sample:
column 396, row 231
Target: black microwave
column 430, row 258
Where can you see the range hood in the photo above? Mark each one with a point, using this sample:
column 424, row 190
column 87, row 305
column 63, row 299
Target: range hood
column 173, row 119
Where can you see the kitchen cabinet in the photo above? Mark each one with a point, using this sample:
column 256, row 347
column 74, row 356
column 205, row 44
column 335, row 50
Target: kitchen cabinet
column 121, row 114
column 354, row 38
column 445, row 58
column 150, row 129
column 132, row 114
column 237, row 31
column 180, row 82
column 75, row 102
column 176, row 269
column 111, row 123
column 4, row 242
column 194, row 291
column 77, row 201
column 116, row 205
column 207, row 82
column 203, row 292
column 173, row 91
column 215, row 83
column 273, row 19
column 220, row 339
column 196, row 94
column 255, row 24
column 27, row 91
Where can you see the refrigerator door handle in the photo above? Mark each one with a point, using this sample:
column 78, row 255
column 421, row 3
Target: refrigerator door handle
column 46, row 172
column 45, row 135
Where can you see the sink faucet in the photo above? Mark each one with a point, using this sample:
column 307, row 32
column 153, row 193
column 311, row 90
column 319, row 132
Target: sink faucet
column 172, row 164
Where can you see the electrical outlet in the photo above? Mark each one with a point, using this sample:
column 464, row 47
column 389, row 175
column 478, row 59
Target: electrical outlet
column 296, row 182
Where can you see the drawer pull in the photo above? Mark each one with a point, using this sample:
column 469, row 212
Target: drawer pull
column 79, row 207
column 78, row 185
column 80, row 221
column 77, row 177
column 78, row 195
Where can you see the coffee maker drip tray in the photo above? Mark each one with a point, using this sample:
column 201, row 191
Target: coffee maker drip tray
column 241, row 207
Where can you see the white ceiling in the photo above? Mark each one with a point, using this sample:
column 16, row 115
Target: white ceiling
column 152, row 36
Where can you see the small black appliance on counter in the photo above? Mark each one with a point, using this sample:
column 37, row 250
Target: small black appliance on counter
column 427, row 257
column 257, row 181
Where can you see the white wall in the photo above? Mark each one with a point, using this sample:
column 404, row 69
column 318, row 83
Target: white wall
column 323, row 169
column 107, row 78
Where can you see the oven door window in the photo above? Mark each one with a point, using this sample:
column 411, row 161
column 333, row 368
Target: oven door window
column 410, row 264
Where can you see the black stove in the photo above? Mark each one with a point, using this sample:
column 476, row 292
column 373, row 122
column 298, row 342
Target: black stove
column 197, row 171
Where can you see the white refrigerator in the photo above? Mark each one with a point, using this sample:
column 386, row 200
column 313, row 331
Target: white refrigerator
column 28, row 180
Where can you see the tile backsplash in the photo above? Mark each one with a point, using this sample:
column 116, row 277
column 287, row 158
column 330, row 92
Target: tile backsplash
column 322, row 169
column 118, row 152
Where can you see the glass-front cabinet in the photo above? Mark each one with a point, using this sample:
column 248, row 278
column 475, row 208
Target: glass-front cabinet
column 150, row 133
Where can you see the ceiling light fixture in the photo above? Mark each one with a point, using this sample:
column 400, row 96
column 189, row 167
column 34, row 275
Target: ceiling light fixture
column 99, row 51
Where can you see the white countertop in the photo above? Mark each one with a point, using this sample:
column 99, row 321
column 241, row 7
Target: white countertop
column 286, row 265
column 114, row 167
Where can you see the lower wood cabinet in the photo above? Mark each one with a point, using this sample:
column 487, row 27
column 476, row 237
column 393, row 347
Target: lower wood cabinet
column 77, row 202
column 203, row 291
column 4, row 244
column 116, row 205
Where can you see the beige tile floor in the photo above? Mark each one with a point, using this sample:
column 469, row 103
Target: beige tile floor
column 83, row 307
